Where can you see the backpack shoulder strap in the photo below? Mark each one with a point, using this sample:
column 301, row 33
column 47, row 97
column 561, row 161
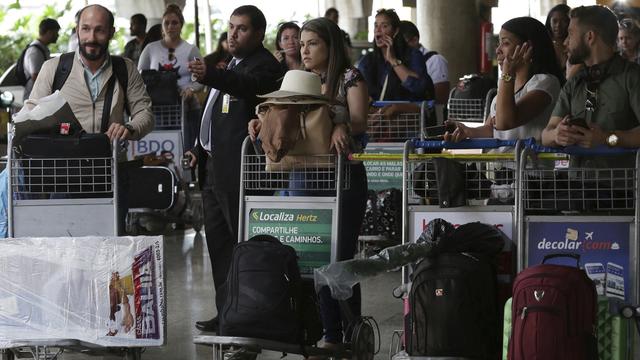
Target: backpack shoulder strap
column 429, row 54
column 40, row 48
column 122, row 74
column 62, row 71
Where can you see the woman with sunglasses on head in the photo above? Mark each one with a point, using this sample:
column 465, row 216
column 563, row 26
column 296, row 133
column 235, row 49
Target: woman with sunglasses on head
column 172, row 53
column 288, row 46
column 629, row 40
column 528, row 88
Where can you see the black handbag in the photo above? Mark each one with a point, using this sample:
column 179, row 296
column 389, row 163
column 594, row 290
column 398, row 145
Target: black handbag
column 162, row 86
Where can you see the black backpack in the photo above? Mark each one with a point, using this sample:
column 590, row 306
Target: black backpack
column 21, row 78
column 430, row 92
column 473, row 86
column 453, row 307
column 266, row 297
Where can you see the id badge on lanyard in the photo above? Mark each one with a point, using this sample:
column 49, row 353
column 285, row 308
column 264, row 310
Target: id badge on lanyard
column 226, row 99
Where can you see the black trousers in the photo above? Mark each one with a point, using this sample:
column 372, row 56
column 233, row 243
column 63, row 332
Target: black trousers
column 354, row 202
column 221, row 229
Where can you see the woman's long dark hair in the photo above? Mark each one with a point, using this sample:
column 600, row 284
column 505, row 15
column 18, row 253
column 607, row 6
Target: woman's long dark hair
column 564, row 10
column 338, row 59
column 220, row 54
column 543, row 60
column 400, row 47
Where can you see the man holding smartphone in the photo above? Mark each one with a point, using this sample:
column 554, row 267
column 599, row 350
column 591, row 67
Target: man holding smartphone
column 229, row 107
column 606, row 94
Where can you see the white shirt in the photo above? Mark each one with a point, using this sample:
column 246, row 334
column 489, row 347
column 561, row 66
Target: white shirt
column 532, row 129
column 437, row 66
column 156, row 56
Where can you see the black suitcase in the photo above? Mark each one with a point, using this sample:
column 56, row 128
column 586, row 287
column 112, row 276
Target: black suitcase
column 65, row 146
column 79, row 165
column 151, row 187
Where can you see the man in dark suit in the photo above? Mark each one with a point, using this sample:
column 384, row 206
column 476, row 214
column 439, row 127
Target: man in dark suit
column 229, row 107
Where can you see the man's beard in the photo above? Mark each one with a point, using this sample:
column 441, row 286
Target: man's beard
column 579, row 54
column 102, row 51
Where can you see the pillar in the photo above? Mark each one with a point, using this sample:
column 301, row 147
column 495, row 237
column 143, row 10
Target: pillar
column 451, row 28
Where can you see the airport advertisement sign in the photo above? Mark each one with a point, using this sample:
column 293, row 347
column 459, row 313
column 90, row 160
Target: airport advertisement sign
column 603, row 248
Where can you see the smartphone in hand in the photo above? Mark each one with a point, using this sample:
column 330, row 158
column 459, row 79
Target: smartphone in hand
column 439, row 130
column 575, row 121
column 194, row 78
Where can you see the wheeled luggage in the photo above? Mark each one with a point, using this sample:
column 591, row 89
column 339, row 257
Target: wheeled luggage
column 554, row 313
column 151, row 187
column 454, row 307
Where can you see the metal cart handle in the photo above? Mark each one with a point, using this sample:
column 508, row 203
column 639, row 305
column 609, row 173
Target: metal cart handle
column 576, row 257
column 579, row 150
column 487, row 143
column 430, row 103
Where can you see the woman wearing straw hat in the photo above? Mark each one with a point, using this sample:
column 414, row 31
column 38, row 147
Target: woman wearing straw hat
column 323, row 53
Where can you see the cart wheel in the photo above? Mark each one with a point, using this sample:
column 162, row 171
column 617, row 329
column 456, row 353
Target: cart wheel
column 133, row 354
column 363, row 341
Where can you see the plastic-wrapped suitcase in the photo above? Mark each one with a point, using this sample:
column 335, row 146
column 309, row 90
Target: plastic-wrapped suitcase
column 151, row 187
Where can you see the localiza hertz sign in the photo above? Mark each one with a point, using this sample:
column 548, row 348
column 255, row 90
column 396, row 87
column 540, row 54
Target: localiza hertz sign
column 308, row 231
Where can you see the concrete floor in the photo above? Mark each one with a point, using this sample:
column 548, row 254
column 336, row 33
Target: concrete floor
column 190, row 298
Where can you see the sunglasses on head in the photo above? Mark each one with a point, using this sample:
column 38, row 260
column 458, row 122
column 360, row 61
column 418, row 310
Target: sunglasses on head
column 627, row 24
column 593, row 81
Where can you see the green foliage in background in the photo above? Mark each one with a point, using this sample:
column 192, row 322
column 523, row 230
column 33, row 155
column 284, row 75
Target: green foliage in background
column 25, row 29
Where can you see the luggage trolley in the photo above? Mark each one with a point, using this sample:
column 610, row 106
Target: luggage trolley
column 489, row 182
column 569, row 205
column 470, row 110
column 62, row 196
column 386, row 137
column 309, row 222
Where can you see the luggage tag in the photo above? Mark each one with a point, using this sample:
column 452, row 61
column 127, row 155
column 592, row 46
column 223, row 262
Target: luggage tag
column 226, row 99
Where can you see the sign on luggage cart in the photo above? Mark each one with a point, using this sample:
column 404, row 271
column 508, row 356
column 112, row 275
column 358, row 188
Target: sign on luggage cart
column 308, row 231
column 387, row 174
column 603, row 248
column 502, row 220
column 157, row 142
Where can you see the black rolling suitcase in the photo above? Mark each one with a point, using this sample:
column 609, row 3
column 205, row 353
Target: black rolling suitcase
column 151, row 187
